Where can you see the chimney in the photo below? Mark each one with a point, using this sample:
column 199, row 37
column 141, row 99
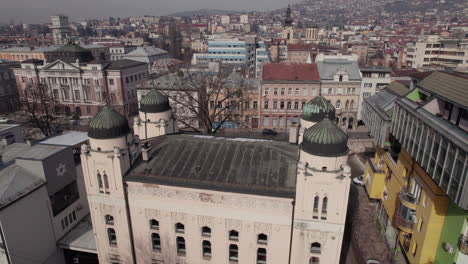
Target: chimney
column 293, row 133
column 145, row 152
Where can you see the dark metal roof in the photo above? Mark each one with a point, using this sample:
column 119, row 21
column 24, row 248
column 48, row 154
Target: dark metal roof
column 447, row 86
column 317, row 109
column 123, row 64
column 259, row 167
column 325, row 139
column 108, row 124
column 70, row 53
column 154, row 102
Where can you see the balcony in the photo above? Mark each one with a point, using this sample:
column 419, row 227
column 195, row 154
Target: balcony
column 463, row 245
column 404, row 225
column 408, row 199
column 405, row 218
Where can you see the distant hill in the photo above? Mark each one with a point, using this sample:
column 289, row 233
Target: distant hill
column 204, row 12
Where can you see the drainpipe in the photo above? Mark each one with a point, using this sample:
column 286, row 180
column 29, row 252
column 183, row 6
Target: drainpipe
column 129, row 219
column 292, row 230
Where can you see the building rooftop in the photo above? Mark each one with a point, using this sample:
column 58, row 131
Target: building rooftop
column 16, row 182
column 383, row 102
column 69, row 138
column 398, row 88
column 447, row 86
column 369, row 68
column 25, row 151
column 290, row 72
column 80, row 238
column 260, row 167
column 146, row 52
column 123, row 64
column 329, row 67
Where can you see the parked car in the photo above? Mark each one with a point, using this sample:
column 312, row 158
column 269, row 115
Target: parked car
column 270, row 132
column 4, row 120
column 359, row 180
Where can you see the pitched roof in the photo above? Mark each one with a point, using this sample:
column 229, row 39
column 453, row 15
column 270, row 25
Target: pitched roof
column 261, row 167
column 290, row 72
column 328, row 68
column 398, row 88
column 16, row 182
column 447, row 86
column 300, row 46
column 123, row 64
column 146, row 52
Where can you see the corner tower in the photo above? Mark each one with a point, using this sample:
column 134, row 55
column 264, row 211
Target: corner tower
column 322, row 191
column 155, row 116
column 111, row 151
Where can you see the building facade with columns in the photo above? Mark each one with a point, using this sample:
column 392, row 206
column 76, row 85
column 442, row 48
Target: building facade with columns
column 174, row 198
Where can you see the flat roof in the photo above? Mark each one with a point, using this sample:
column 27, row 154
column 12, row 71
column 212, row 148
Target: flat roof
column 80, row 238
column 69, row 138
column 240, row 165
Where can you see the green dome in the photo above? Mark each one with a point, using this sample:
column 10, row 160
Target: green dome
column 325, row 139
column 108, row 124
column 317, row 109
column 154, row 102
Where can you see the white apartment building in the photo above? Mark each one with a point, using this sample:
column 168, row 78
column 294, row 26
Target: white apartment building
column 435, row 52
column 199, row 199
column 374, row 79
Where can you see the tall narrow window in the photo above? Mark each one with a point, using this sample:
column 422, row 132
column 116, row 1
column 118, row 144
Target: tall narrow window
column 206, row 231
column 206, row 247
column 180, row 246
column 101, row 187
column 261, row 256
column 156, row 241
column 262, row 239
column 233, row 253
column 324, row 208
column 316, row 248
column 154, row 224
column 109, row 219
column 314, row 260
column 106, row 183
column 351, row 104
column 180, row 228
column 316, row 204
column 233, row 235
column 111, row 236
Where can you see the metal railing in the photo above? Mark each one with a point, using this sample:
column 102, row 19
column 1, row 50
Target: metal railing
column 404, row 223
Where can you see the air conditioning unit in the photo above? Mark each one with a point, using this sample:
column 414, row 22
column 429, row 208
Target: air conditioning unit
column 449, row 248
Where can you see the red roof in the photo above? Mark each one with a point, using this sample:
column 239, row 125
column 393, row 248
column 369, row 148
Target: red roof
column 290, row 72
column 300, row 46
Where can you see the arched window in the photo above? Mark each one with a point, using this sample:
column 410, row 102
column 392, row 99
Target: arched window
column 180, row 241
column 261, row 256
column 350, row 123
column 109, row 219
column 233, row 252
column 324, row 208
column 206, row 247
column 179, row 228
column 99, row 179
column 233, row 235
column 262, row 239
column 351, row 105
column 343, row 121
column 106, row 183
column 206, row 231
column 338, row 104
column 156, row 241
column 316, row 248
column 154, row 224
column 314, row 260
column 347, row 104
column 316, row 204
column 112, row 236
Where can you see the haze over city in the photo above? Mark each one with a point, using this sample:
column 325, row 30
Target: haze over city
column 35, row 11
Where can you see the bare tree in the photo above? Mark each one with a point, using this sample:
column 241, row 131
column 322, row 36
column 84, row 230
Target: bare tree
column 39, row 103
column 214, row 98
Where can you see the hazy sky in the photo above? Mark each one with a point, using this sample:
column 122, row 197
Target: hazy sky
column 34, row 11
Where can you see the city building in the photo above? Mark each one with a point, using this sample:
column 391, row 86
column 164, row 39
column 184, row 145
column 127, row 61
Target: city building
column 435, row 52
column 148, row 55
column 286, row 88
column 261, row 57
column 61, row 31
column 341, row 83
column 300, row 53
column 42, row 183
column 288, row 30
column 377, row 110
column 420, row 176
column 24, row 53
column 118, row 51
column 374, row 79
column 79, row 84
column 244, row 19
column 160, row 200
column 312, row 34
column 9, row 100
